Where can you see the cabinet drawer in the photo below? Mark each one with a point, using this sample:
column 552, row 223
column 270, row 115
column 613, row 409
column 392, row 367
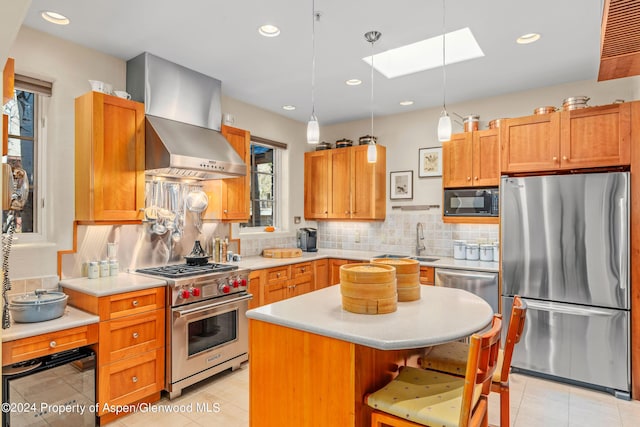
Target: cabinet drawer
column 302, row 270
column 130, row 303
column 45, row 344
column 427, row 275
column 279, row 274
column 131, row 335
column 131, row 379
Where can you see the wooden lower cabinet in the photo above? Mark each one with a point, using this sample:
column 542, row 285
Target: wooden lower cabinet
column 321, row 273
column 255, row 288
column 130, row 349
column 427, row 275
column 45, row 344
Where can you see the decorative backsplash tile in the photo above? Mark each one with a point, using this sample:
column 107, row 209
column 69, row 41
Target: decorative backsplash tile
column 254, row 245
column 30, row 284
column 397, row 234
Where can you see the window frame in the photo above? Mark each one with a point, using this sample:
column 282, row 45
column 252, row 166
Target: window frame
column 277, row 187
column 40, row 156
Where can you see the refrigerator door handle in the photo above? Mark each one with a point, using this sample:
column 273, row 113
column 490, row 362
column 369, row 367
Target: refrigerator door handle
column 569, row 309
column 623, row 250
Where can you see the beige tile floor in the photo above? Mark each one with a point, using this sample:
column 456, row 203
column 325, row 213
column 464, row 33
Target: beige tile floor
column 534, row 403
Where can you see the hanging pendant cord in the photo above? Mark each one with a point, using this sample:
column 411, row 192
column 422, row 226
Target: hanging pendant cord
column 444, row 72
column 313, row 60
column 372, row 50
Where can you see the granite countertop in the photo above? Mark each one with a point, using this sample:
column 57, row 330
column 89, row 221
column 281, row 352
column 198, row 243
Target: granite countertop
column 71, row 318
column 441, row 315
column 123, row 282
column 258, row 262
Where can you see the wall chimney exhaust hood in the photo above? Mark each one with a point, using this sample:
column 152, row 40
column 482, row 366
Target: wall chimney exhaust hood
column 183, row 119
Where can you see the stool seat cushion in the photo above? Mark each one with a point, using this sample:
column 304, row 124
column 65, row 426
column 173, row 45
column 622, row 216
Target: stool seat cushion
column 424, row 397
column 452, row 358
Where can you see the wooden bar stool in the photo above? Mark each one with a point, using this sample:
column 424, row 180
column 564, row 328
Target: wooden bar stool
column 452, row 358
column 418, row 397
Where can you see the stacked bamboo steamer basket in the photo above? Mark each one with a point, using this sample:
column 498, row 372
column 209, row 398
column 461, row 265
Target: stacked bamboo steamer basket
column 407, row 276
column 368, row 288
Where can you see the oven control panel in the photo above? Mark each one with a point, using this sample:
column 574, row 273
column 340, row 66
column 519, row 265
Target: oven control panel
column 203, row 288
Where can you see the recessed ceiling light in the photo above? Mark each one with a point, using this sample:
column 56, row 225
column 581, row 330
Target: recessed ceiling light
column 289, row 107
column 269, row 30
column 405, row 103
column 426, row 54
column 54, row 17
column 528, row 38
column 353, row 82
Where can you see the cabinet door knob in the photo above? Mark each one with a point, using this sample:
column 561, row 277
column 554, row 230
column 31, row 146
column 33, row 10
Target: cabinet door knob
column 134, row 379
column 475, row 177
column 277, row 274
column 565, row 158
column 468, row 178
column 555, row 159
column 303, row 269
column 53, row 344
column 225, row 211
column 134, row 303
column 346, row 212
column 135, row 335
column 326, row 212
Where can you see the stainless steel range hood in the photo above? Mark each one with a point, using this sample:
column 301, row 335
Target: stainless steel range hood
column 183, row 115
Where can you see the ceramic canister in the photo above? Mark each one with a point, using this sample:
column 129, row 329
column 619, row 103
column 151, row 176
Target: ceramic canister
column 486, row 252
column 459, row 249
column 473, row 251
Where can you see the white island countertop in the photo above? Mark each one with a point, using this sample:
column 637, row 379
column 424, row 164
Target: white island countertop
column 441, row 315
column 123, row 282
column 71, row 318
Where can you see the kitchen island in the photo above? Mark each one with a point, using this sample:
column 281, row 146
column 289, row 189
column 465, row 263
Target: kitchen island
column 312, row 362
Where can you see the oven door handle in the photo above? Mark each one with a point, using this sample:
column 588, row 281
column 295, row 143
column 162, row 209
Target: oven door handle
column 182, row 313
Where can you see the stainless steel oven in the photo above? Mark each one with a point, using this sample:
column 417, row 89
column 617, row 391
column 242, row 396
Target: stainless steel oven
column 207, row 329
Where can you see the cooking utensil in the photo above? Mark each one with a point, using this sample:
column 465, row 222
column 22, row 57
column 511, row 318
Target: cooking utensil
column 575, row 102
column 38, row 306
column 342, row 143
column 366, row 140
column 197, row 256
column 545, row 110
column 471, row 122
column 324, row 145
column 496, row 123
column 197, row 202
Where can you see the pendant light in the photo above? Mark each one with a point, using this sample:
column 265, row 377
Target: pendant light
column 313, row 128
column 444, row 124
column 372, row 152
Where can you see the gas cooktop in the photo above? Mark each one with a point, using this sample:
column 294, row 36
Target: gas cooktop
column 177, row 271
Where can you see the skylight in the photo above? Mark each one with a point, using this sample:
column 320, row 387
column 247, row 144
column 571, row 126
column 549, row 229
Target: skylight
column 426, row 54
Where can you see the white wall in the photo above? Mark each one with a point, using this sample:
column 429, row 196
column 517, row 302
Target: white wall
column 69, row 66
column 403, row 134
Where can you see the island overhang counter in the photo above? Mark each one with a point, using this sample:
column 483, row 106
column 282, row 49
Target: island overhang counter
column 311, row 362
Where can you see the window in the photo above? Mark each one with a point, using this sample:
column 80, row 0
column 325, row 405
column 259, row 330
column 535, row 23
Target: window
column 25, row 155
column 22, row 156
column 263, row 211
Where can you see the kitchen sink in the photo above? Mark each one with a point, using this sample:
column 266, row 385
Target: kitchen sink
column 417, row 258
column 391, row 256
column 424, row 258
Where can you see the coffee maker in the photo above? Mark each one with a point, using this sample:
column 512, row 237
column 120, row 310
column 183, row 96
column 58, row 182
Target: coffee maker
column 307, row 239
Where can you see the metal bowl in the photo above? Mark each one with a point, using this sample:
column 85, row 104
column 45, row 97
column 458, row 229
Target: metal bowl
column 545, row 110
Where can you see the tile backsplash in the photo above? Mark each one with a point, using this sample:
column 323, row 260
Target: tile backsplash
column 397, row 234
column 30, row 284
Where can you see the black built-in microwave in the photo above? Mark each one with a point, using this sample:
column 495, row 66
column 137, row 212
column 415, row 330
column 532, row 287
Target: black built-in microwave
column 471, row 201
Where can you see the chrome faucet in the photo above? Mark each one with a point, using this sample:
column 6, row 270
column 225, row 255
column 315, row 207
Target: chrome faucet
column 419, row 236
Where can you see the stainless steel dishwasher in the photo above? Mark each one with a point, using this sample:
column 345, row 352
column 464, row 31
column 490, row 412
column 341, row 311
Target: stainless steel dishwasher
column 481, row 283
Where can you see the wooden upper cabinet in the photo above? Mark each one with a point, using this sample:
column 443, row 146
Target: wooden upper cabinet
column 236, row 191
column 584, row 138
column 109, row 163
column 596, row 136
column 457, row 163
column 229, row 198
column 530, row 143
column 316, row 184
column 368, row 184
column 471, row 159
column 341, row 184
column 8, row 79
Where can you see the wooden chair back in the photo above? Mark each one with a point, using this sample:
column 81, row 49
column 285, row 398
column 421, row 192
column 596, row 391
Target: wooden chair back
column 516, row 326
column 481, row 364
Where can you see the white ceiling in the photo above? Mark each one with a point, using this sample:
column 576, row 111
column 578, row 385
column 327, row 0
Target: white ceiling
column 220, row 39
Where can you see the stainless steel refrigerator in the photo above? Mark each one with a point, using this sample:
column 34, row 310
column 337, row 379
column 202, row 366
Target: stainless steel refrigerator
column 565, row 251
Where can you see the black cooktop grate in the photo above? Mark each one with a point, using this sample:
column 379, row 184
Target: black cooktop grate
column 177, row 271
